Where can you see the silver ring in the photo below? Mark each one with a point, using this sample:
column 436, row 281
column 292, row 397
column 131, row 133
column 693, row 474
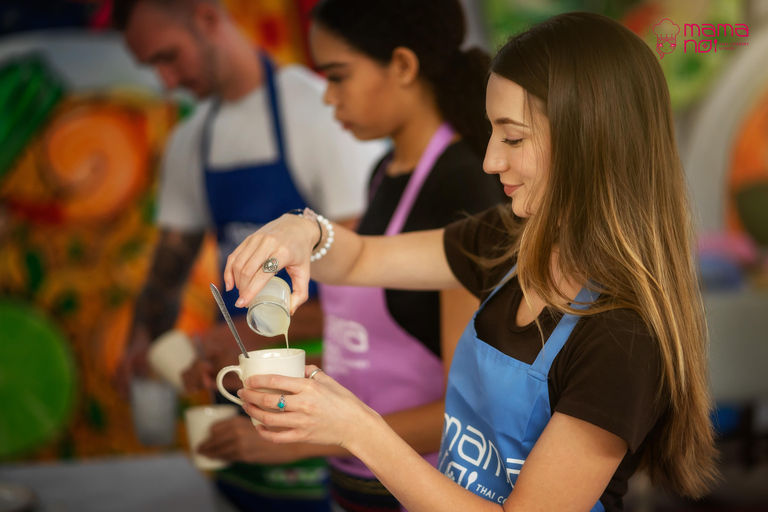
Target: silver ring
column 314, row 372
column 270, row 266
column 281, row 403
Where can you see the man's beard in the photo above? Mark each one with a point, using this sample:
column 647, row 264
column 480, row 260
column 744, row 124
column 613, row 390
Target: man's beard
column 208, row 82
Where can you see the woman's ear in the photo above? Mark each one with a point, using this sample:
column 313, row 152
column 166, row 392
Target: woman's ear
column 405, row 65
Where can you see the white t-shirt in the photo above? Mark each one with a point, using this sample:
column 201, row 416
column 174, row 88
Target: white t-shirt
column 329, row 167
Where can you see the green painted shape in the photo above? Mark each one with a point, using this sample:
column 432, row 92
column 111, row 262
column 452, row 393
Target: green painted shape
column 37, row 379
column 29, row 91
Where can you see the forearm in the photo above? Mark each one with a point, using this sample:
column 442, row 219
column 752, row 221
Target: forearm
column 158, row 303
column 420, row 427
column 414, row 261
column 156, row 309
column 410, row 478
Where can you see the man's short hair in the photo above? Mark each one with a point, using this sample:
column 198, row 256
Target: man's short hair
column 121, row 12
column 122, row 9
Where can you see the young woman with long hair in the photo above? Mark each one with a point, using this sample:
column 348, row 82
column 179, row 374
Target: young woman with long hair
column 587, row 359
column 395, row 69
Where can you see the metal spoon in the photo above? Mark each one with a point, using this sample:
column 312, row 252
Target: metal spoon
column 223, row 308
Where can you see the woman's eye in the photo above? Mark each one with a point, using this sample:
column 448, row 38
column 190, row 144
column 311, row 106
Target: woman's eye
column 334, row 79
column 512, row 142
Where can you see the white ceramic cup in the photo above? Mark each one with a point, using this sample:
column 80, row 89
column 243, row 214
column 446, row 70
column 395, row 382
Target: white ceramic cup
column 170, row 355
column 271, row 361
column 153, row 409
column 199, row 420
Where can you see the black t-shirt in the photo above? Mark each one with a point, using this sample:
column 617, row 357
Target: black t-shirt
column 455, row 187
column 609, row 371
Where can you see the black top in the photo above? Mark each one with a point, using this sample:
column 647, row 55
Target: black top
column 457, row 186
column 609, row 371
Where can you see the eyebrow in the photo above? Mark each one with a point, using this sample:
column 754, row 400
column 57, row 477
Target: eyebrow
column 507, row 120
column 330, row 66
column 158, row 56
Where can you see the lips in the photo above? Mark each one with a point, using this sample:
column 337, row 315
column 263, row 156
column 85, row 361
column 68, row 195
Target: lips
column 510, row 189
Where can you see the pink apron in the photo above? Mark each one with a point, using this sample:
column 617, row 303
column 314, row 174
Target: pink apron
column 365, row 349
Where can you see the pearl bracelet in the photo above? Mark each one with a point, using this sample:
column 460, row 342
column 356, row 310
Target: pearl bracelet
column 309, row 214
column 328, row 241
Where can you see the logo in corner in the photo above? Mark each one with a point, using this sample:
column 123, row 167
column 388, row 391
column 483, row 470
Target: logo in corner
column 666, row 36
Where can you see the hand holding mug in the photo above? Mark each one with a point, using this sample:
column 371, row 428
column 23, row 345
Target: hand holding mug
column 317, row 410
column 280, row 361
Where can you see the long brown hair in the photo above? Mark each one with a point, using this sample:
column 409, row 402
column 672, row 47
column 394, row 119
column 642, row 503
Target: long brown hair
column 616, row 209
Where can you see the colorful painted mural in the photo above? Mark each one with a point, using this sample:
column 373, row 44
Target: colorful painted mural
column 80, row 144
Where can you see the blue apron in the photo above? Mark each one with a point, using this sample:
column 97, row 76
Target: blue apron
column 496, row 408
column 244, row 198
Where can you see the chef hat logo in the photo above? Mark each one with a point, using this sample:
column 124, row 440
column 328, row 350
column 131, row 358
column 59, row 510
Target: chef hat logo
column 666, row 36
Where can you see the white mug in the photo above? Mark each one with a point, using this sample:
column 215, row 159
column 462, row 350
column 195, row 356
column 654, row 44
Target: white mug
column 170, row 355
column 199, row 420
column 271, row 361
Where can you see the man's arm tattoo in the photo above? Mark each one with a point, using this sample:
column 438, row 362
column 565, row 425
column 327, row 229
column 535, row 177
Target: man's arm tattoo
column 158, row 303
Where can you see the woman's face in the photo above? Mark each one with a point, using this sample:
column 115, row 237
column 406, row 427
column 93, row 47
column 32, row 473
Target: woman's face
column 365, row 94
column 519, row 149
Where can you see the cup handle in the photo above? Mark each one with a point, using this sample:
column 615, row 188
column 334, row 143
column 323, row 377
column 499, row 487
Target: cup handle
column 220, row 383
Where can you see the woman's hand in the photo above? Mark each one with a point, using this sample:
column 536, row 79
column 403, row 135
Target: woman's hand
column 235, row 439
column 289, row 240
column 318, row 411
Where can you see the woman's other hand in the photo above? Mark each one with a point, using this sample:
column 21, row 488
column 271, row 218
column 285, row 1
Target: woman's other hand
column 317, row 410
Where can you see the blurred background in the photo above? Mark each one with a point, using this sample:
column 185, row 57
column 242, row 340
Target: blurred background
column 82, row 128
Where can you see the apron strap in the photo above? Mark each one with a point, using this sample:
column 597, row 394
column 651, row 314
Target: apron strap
column 542, row 364
column 277, row 126
column 437, row 145
column 498, row 287
column 560, row 335
column 205, row 142
column 269, row 79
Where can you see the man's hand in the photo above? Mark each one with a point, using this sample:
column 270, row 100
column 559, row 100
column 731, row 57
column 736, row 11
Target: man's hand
column 134, row 361
column 217, row 349
column 236, row 439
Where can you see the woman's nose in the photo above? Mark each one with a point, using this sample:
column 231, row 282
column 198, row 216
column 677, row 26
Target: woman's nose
column 494, row 162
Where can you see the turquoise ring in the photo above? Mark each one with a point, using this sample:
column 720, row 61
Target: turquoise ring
column 281, row 403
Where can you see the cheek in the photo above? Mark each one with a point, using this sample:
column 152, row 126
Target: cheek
column 185, row 65
column 529, row 167
column 371, row 102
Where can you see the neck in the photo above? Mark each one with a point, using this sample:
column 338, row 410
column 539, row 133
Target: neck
column 245, row 70
column 412, row 138
column 568, row 286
